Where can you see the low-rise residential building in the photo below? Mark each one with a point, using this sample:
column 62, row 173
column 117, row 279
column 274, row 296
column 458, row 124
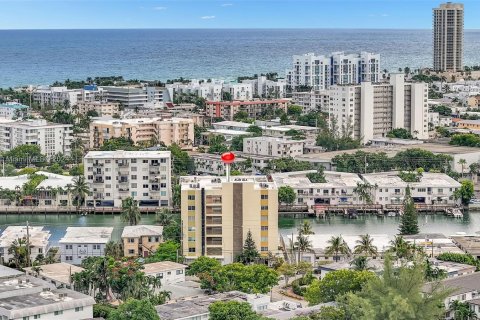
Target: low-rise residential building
column 26, row 297
column 271, row 146
column 232, row 125
column 267, row 89
column 38, row 238
column 226, row 133
column 79, row 243
column 59, row 274
column 468, row 124
column 115, row 175
column 211, row 164
column 282, row 131
column 145, row 131
column 239, row 91
column 141, row 240
column 167, row 271
column 435, row 244
column 51, row 96
column 210, row 90
column 13, row 110
column 217, row 215
column 469, row 244
column 52, row 138
column 254, row 108
column 430, row 189
column 337, row 190
column 103, row 108
column 437, row 120
column 312, row 101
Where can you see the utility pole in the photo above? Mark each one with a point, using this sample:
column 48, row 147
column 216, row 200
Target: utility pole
column 365, row 170
column 28, row 246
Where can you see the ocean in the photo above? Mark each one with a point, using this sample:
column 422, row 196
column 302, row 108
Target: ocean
column 43, row 56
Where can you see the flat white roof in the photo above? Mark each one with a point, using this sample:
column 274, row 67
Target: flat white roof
column 299, row 180
column 38, row 236
column 121, row 154
column 60, row 272
column 216, row 182
column 152, row 268
column 229, row 132
column 87, row 235
column 428, row 179
column 275, row 139
column 142, row 230
column 232, row 124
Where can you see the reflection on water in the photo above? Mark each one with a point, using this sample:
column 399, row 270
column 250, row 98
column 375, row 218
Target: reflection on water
column 333, row 225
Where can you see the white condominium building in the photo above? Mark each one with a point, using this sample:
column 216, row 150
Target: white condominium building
column 312, row 101
column 311, row 72
column 79, row 243
column 218, row 214
column 53, row 138
column 115, row 175
column 144, row 131
column 448, row 37
column 431, row 188
column 50, row 96
column 272, row 146
column 208, row 90
column 370, row 111
column 239, row 91
column 268, row 89
column 38, row 238
column 133, row 97
column 13, row 110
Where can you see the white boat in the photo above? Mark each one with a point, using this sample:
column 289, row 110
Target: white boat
column 392, row 214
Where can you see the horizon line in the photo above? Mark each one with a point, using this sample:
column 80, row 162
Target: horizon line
column 226, row 28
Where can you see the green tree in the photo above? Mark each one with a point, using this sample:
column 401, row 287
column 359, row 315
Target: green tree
column 317, row 177
column 237, row 143
column 182, row 162
column 462, row 163
column 286, row 195
column 466, row 192
column 462, row 310
column 287, row 165
column 433, row 273
column 303, row 244
column 25, row 155
column 203, row 264
column 232, row 310
column 409, row 220
column 336, row 283
column 217, row 144
column 401, row 248
column 364, row 192
column 294, row 111
column 250, row 253
column 130, row 211
column 240, row 116
column 19, row 250
column 55, row 168
column 120, row 143
column 466, row 140
column 305, row 228
column 256, row 130
column 365, row 246
column 167, row 251
column 114, row 249
column 325, row 313
column 134, row 309
column 336, row 246
column 287, row 270
column 397, row 294
column 400, row 133
column 77, row 170
column 360, row 263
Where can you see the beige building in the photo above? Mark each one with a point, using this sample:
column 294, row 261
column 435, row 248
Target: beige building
column 448, row 37
column 217, row 215
column 141, row 240
column 144, row 131
column 104, row 109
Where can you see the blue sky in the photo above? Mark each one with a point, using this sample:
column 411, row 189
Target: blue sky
column 92, row 14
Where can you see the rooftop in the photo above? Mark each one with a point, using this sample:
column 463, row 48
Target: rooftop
column 137, row 121
column 228, row 132
column 214, row 182
column 6, row 272
column 460, row 285
column 155, row 267
column 22, row 285
column 429, row 179
column 252, row 102
column 142, row 230
column 13, row 105
column 87, row 235
column 121, row 154
column 17, row 307
column 299, row 180
column 232, row 124
column 38, row 236
column 275, row 140
column 320, row 241
column 59, row 272
column 469, row 244
column 396, row 141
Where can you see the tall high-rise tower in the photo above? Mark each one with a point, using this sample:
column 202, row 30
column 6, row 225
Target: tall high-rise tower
column 448, row 37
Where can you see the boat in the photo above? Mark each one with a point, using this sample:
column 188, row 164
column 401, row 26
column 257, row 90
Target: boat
column 392, row 214
column 454, row 212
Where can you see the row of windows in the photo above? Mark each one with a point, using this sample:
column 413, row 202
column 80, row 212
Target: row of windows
column 57, row 313
column 70, row 246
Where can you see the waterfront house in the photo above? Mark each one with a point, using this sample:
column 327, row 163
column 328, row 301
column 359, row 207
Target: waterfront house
column 167, row 271
column 59, row 274
column 38, row 238
column 79, row 243
column 141, row 240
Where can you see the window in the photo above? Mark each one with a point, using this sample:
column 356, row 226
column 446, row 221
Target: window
column 191, row 197
column 191, row 218
column 77, row 309
column 422, row 190
column 169, row 273
column 144, row 161
column 145, row 186
column 108, row 178
column 131, row 240
column 191, row 249
column 157, row 239
column 264, row 196
column 264, row 218
column 133, row 177
column 57, row 313
column 160, row 275
column 68, row 258
column 264, row 249
column 264, row 228
column 96, row 247
column 264, row 208
column 37, row 316
column 191, row 207
column 133, row 160
column 145, row 177
column 145, row 194
column 191, row 239
column 68, row 246
column 26, row 318
column 179, row 271
column 131, row 251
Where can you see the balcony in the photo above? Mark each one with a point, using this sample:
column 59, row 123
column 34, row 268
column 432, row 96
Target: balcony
column 154, row 164
column 122, row 164
column 97, row 164
column 214, row 211
column 98, row 181
column 213, row 220
column 123, row 181
column 214, row 231
column 123, row 190
column 214, row 241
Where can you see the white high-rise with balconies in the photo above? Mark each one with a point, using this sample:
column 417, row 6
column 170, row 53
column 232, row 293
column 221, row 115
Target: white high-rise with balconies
column 448, row 37
column 316, row 73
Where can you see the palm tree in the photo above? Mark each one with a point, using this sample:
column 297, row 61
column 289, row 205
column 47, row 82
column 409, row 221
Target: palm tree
column 80, row 191
column 130, row 211
column 19, row 251
column 462, row 162
column 164, row 217
column 337, row 246
column 303, row 245
column 364, row 192
column 365, row 246
column 305, row 228
column 400, row 247
column 462, row 311
column 360, row 263
column 114, row 249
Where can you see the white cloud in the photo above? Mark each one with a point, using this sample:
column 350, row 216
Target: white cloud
column 159, row 8
column 227, row 4
column 207, row 17
column 384, row 15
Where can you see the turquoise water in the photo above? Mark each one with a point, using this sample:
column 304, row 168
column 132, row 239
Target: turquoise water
column 334, row 225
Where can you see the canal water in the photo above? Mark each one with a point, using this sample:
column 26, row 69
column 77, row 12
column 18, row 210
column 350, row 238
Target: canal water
column 470, row 224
